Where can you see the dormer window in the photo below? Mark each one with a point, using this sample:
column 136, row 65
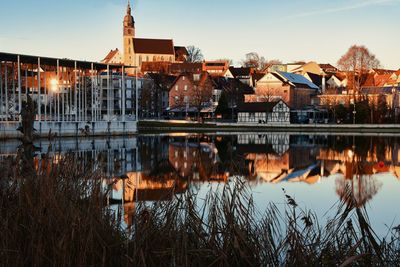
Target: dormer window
column 196, row 77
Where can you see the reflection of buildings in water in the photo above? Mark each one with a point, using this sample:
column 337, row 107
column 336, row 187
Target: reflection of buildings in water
column 279, row 141
column 196, row 161
column 268, row 157
column 267, row 166
column 141, row 187
column 310, row 175
column 349, row 163
column 358, row 191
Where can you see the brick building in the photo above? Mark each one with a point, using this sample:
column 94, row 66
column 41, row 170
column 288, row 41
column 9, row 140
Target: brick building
column 294, row 89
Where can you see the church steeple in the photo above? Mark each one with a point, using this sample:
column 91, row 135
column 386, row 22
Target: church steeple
column 129, row 36
column 129, row 22
column 128, row 10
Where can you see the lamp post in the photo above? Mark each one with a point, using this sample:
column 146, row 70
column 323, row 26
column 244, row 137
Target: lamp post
column 353, row 102
column 55, row 90
column 394, row 98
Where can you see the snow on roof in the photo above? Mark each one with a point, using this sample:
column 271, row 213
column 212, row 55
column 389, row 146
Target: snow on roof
column 297, row 79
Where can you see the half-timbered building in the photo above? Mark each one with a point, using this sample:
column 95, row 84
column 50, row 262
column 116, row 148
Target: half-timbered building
column 264, row 112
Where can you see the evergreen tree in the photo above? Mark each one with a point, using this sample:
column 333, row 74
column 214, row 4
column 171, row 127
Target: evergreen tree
column 223, row 106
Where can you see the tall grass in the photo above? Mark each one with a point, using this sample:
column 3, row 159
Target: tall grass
column 58, row 216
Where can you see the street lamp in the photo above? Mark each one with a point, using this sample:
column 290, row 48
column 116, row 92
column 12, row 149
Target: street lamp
column 353, row 102
column 54, row 86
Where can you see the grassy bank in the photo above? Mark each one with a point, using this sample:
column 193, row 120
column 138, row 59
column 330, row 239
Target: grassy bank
column 58, row 216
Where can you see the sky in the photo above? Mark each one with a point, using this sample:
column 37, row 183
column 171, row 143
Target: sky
column 290, row 31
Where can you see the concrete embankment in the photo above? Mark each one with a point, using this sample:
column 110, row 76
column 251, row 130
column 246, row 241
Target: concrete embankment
column 8, row 130
column 178, row 126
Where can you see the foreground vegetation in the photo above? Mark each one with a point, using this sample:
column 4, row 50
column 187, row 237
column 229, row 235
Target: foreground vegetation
column 58, row 216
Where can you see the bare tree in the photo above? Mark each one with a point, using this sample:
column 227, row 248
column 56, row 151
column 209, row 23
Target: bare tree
column 254, row 60
column 194, row 54
column 357, row 61
column 230, row 61
column 202, row 93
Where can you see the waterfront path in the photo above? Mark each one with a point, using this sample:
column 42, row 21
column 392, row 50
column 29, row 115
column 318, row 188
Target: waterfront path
column 185, row 126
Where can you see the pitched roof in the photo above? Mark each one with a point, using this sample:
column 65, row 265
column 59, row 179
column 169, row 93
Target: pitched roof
column 227, row 83
column 186, row 67
column 153, row 46
column 327, row 67
column 155, row 66
column 297, row 80
column 257, row 106
column 381, row 80
column 241, row 72
column 180, row 53
column 110, row 55
column 383, row 71
column 162, row 81
column 315, row 79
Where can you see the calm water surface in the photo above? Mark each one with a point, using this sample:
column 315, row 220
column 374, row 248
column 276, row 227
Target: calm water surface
column 314, row 170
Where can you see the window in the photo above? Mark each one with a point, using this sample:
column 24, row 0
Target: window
column 183, row 78
column 176, row 87
column 186, row 99
column 196, row 77
column 176, row 99
column 186, row 88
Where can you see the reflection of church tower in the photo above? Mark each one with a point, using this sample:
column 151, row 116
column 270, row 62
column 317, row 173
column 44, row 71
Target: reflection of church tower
column 129, row 34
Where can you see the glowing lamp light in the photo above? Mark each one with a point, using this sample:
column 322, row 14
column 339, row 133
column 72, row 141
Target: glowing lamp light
column 54, row 85
column 350, row 154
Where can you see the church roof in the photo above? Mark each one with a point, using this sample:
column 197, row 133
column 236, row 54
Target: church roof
column 153, row 46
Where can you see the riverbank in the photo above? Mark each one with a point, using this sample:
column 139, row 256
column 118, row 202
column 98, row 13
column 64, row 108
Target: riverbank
column 183, row 126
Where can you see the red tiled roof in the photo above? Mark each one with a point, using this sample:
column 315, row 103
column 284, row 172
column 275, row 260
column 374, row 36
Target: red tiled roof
column 186, row 67
column 153, row 46
column 381, row 80
column 110, row 55
column 156, row 66
column 383, row 71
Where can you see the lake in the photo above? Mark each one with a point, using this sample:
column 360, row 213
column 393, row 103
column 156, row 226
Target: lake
column 315, row 170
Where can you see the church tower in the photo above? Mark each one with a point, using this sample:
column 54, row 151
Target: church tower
column 129, row 34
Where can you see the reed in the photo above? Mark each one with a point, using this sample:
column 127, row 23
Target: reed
column 58, row 216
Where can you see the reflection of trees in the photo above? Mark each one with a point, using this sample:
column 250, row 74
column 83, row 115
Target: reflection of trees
column 358, row 191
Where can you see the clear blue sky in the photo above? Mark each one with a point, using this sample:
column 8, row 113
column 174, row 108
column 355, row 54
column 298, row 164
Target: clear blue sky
column 287, row 30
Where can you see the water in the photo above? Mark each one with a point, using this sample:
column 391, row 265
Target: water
column 314, row 170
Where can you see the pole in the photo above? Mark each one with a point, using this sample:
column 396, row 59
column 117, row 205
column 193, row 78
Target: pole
column 1, row 91
column 92, row 91
column 19, row 87
column 108, row 92
column 6, row 88
column 123, row 93
column 39, row 94
column 75, row 93
column 136, row 96
column 57, row 90
column 45, row 94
